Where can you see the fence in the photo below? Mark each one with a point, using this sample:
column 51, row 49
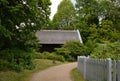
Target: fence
column 99, row 69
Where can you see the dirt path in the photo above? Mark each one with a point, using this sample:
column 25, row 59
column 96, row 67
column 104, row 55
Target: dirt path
column 56, row 73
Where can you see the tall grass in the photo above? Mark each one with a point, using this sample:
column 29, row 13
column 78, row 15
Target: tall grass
column 75, row 75
column 26, row 74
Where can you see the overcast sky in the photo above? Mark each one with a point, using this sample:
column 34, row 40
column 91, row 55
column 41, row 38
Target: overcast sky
column 54, row 5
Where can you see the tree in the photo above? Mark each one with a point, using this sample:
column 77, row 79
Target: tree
column 65, row 16
column 90, row 15
column 87, row 14
column 24, row 17
column 88, row 10
column 110, row 10
column 19, row 20
column 105, row 32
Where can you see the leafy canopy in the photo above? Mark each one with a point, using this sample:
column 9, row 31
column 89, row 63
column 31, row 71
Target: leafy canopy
column 97, row 18
column 19, row 21
column 64, row 18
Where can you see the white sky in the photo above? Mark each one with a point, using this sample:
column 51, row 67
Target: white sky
column 54, row 5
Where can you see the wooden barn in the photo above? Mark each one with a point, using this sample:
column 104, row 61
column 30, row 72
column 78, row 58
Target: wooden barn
column 50, row 39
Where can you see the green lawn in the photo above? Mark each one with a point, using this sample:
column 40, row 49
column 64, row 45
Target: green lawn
column 75, row 75
column 26, row 74
column 40, row 65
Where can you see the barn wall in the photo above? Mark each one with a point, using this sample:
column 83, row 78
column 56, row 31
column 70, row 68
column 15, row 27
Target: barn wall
column 49, row 47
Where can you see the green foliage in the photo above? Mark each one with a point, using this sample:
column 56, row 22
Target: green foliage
column 19, row 21
column 62, row 19
column 65, row 53
column 75, row 48
column 51, row 56
column 87, row 14
column 71, row 50
column 105, row 32
column 107, row 50
column 16, row 59
column 90, row 44
column 98, row 20
column 3, row 64
column 25, row 75
column 24, row 19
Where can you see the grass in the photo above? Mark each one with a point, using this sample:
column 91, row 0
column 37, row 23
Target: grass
column 26, row 74
column 75, row 75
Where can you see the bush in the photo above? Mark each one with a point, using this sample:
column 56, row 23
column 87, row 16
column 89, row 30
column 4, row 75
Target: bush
column 107, row 50
column 71, row 50
column 15, row 59
column 16, row 67
column 51, row 56
column 90, row 45
column 3, row 64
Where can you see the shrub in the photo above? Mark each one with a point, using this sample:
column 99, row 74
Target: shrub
column 107, row 50
column 51, row 56
column 71, row 50
column 3, row 64
column 15, row 59
column 16, row 67
column 90, row 45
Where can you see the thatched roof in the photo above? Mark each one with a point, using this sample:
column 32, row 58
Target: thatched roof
column 58, row 36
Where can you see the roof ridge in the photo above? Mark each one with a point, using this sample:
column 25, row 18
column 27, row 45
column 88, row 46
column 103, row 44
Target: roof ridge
column 61, row 30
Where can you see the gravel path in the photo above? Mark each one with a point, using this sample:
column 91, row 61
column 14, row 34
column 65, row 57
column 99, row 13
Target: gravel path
column 56, row 73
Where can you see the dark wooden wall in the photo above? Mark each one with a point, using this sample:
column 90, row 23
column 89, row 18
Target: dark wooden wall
column 49, row 47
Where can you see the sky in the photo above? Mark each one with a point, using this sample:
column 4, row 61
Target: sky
column 54, row 5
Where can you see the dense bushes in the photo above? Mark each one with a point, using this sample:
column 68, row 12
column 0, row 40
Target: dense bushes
column 47, row 55
column 90, row 44
column 68, row 52
column 15, row 59
column 107, row 50
column 19, row 59
column 71, row 50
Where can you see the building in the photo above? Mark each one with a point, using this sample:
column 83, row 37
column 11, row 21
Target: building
column 50, row 39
